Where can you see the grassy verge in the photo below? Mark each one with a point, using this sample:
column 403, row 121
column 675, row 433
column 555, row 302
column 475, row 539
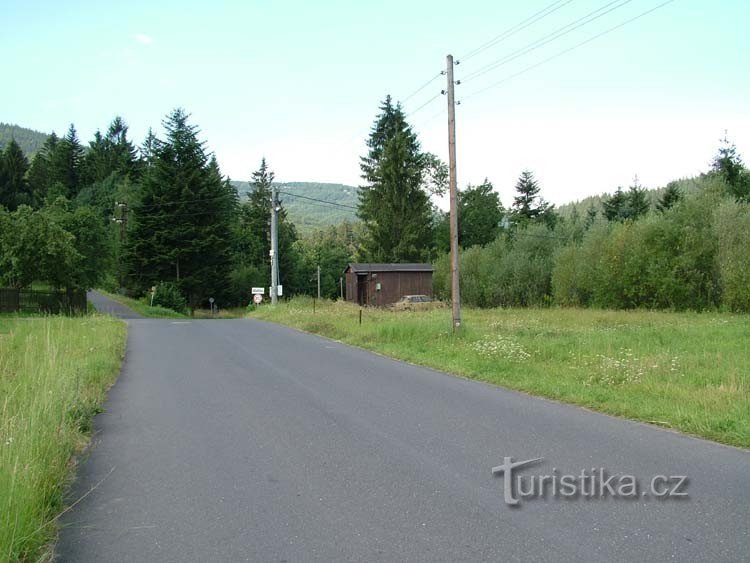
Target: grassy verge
column 54, row 374
column 143, row 308
column 686, row 371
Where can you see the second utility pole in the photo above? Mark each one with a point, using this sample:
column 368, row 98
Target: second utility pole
column 274, row 247
column 455, row 293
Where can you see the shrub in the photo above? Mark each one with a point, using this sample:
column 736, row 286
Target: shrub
column 168, row 295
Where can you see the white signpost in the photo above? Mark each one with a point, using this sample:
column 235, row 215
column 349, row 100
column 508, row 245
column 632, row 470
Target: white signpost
column 258, row 291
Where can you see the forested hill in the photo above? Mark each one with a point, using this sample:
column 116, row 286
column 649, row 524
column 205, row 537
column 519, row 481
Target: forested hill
column 308, row 214
column 29, row 140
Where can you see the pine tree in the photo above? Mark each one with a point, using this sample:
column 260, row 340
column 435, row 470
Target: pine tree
column 615, row 206
column 65, row 164
column 728, row 164
column 254, row 232
column 591, row 214
column 14, row 189
column 637, row 203
column 182, row 224
column 671, row 196
column 394, row 205
column 40, row 174
column 528, row 206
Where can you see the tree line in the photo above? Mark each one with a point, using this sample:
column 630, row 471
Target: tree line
column 130, row 218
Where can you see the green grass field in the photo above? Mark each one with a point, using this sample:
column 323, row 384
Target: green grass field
column 685, row 371
column 54, row 374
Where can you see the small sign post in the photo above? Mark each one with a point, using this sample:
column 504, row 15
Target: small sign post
column 257, row 298
column 211, row 302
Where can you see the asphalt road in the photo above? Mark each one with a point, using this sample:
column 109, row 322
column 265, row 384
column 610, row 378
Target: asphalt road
column 242, row 440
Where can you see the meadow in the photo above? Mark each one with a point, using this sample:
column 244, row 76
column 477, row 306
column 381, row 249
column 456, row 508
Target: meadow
column 684, row 371
column 54, row 375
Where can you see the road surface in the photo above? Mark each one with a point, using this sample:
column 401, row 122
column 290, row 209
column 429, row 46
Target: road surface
column 240, row 440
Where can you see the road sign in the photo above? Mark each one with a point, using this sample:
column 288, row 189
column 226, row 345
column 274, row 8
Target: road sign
column 279, row 290
column 211, row 300
column 257, row 298
column 259, row 291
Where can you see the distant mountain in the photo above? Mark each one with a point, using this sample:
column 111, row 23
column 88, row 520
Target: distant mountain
column 311, row 206
column 29, row 140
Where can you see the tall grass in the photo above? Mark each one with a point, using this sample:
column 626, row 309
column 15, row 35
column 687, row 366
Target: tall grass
column 686, row 371
column 54, row 374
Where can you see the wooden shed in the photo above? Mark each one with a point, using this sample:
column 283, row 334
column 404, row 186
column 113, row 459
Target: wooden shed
column 382, row 284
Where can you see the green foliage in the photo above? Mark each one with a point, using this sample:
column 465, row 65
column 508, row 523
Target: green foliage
column 33, row 246
column 732, row 230
column 14, row 188
column 729, row 166
column 182, row 222
column 331, row 249
column 65, row 164
column 54, row 375
column 615, row 206
column 669, row 198
column 169, row 296
column 479, row 213
column 253, row 235
column 394, row 205
column 528, row 206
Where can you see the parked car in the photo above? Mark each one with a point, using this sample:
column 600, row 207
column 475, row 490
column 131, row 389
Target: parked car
column 414, row 302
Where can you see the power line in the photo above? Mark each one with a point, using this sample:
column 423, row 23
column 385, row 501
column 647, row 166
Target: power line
column 428, row 102
column 320, row 200
column 541, row 14
column 542, row 41
column 422, row 87
column 568, row 50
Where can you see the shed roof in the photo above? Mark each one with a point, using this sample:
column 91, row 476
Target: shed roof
column 364, row 268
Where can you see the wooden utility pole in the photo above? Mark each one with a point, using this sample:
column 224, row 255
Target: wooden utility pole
column 318, row 282
column 455, row 293
column 274, row 247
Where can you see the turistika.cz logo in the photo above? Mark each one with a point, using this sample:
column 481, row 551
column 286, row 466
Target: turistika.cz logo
column 589, row 483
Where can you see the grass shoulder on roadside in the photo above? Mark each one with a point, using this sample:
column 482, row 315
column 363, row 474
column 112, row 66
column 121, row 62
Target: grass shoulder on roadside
column 54, row 375
column 141, row 307
column 685, row 371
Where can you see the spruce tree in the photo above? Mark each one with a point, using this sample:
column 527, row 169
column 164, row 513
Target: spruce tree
column 529, row 206
column 671, row 196
column 254, row 232
column 615, row 206
column 14, row 189
column 65, row 164
column 182, row 223
column 394, row 204
column 40, row 173
column 637, row 203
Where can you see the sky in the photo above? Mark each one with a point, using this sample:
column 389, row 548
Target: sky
column 300, row 82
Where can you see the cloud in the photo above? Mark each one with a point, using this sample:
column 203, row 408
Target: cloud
column 143, row 39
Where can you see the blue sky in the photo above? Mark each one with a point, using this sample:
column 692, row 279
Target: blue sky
column 300, row 83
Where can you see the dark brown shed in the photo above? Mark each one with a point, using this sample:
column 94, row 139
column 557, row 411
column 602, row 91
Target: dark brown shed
column 382, row 284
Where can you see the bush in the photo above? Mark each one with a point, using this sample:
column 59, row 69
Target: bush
column 732, row 229
column 168, row 295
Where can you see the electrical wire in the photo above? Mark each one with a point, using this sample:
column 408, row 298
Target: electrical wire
column 424, row 105
column 422, row 87
column 542, row 41
column 541, row 14
column 568, row 50
column 319, row 200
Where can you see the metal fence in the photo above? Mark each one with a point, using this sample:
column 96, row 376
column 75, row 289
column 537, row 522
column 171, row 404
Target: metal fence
column 34, row 301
